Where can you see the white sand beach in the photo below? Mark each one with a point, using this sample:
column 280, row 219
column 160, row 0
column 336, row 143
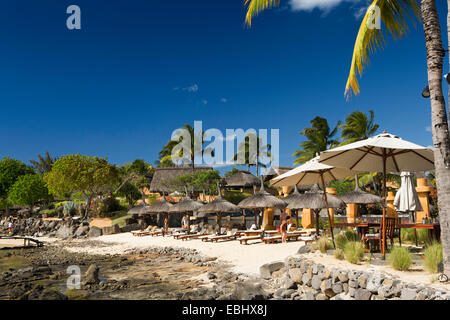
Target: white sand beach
column 242, row 258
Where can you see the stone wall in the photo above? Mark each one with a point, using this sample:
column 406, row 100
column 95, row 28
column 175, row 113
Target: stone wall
column 298, row 278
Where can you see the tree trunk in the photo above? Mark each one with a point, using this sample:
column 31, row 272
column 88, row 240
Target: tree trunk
column 6, row 207
column 86, row 211
column 256, row 167
column 441, row 139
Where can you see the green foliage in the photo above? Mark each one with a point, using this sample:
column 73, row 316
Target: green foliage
column 339, row 254
column 49, row 212
column 323, row 243
column 109, row 204
column 358, row 126
column 433, row 256
column 340, row 240
column 235, row 196
column 10, row 171
column 353, row 251
column 351, row 235
column 70, row 208
column 318, row 138
column 130, row 192
column 400, row 258
column 408, row 235
column 251, row 150
column 231, row 172
column 342, row 187
column 76, row 173
column 28, row 190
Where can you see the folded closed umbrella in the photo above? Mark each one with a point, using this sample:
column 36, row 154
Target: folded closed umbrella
column 406, row 200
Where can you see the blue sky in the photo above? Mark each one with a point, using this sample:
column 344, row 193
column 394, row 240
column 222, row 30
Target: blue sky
column 139, row 69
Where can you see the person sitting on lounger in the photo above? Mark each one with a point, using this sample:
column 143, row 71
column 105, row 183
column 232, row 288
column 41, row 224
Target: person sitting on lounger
column 184, row 222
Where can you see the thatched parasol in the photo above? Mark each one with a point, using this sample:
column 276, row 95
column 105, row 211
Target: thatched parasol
column 292, row 197
column 262, row 200
column 219, row 206
column 163, row 207
column 187, row 205
column 315, row 200
column 358, row 196
column 140, row 209
column 242, row 179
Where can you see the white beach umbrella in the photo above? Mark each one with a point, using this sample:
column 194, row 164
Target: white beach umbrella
column 406, row 199
column 313, row 172
column 384, row 153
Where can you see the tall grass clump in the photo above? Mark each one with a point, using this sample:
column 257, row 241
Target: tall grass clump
column 433, row 256
column 353, row 251
column 324, row 244
column 340, row 240
column 400, row 258
column 339, row 254
column 407, row 235
column 351, row 235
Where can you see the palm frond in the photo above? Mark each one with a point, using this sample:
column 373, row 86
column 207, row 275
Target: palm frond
column 254, row 7
column 395, row 15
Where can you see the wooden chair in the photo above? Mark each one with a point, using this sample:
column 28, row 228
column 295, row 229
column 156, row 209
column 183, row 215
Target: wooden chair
column 378, row 236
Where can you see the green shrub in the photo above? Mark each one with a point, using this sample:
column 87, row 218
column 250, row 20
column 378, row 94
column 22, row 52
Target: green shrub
column 433, row 256
column 400, row 258
column 324, row 244
column 340, row 240
column 70, row 208
column 407, row 235
column 353, row 251
column 351, row 235
column 339, row 254
column 49, row 212
column 109, row 204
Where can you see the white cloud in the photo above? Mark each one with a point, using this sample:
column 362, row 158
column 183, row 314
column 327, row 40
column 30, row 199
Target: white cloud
column 192, row 88
column 224, row 100
column 323, row 5
column 205, row 102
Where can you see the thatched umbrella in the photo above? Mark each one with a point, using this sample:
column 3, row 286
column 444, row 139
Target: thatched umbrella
column 358, row 196
column 140, row 209
column 163, row 207
column 242, row 179
column 262, row 200
column 187, row 205
column 313, row 172
column 219, row 206
column 315, row 200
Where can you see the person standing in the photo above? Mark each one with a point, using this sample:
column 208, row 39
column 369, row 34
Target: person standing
column 283, row 230
column 10, row 227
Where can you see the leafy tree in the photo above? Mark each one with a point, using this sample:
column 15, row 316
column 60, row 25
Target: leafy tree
column 92, row 176
column 138, row 173
column 43, row 164
column 319, row 138
column 28, row 190
column 206, row 180
column 10, row 171
column 358, row 126
column 130, row 192
column 252, row 158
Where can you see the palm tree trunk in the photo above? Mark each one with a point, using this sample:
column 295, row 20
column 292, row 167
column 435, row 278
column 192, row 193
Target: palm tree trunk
column 441, row 138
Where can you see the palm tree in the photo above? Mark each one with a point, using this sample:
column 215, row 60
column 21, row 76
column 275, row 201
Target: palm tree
column 252, row 158
column 319, row 138
column 43, row 164
column 165, row 154
column 357, row 127
column 396, row 15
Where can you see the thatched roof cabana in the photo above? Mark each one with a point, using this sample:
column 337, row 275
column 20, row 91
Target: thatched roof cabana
column 358, row 196
column 162, row 206
column 140, row 209
column 314, row 199
column 275, row 171
column 242, row 179
column 163, row 176
column 262, row 200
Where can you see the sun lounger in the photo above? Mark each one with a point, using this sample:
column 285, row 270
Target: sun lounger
column 181, row 233
column 225, row 237
column 307, row 239
column 271, row 239
column 193, row 236
column 244, row 240
column 141, row 233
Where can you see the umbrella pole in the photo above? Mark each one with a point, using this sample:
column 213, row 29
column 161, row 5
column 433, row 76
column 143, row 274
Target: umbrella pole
column 256, row 218
column 296, row 213
column 328, row 208
column 189, row 223
column 316, row 212
column 219, row 216
column 383, row 234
